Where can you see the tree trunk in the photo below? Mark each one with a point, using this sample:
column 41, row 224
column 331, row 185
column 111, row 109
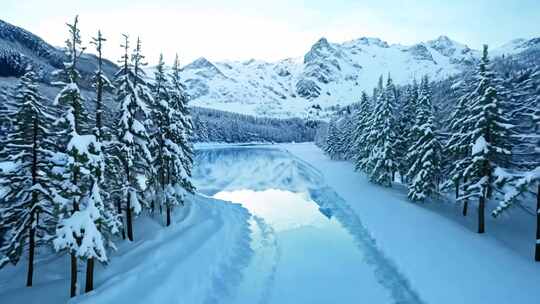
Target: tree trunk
column 31, row 248
column 89, row 275
column 481, row 210
column 537, row 249
column 465, row 207
column 168, row 216
column 33, row 221
column 457, row 189
column 129, row 222
column 153, row 206
column 119, row 208
column 73, row 289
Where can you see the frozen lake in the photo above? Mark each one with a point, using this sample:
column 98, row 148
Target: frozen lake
column 307, row 247
column 301, row 253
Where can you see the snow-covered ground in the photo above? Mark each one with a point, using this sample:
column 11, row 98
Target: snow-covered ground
column 319, row 233
column 196, row 260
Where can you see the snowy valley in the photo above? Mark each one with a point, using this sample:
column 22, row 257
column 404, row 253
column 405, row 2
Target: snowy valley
column 363, row 172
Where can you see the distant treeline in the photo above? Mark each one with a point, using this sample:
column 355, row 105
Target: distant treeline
column 220, row 126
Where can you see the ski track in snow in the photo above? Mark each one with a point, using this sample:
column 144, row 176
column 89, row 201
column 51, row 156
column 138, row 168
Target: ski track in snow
column 270, row 241
column 267, row 256
column 200, row 274
column 386, row 271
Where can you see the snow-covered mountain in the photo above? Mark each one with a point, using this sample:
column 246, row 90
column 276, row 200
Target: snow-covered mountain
column 19, row 49
column 329, row 74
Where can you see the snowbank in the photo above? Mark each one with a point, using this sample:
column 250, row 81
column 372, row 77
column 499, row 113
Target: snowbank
column 196, row 260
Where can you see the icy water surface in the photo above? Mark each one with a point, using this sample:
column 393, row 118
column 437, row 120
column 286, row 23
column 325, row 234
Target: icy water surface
column 308, row 246
column 302, row 254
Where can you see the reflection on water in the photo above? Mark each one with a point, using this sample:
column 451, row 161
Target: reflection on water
column 302, row 254
column 283, row 210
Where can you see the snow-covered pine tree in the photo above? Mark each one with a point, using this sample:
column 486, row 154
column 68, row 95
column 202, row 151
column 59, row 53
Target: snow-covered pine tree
column 333, row 140
column 527, row 117
column 458, row 148
column 378, row 89
column 360, row 140
column 200, row 130
column 159, row 115
column 381, row 163
column 113, row 170
column 133, row 97
column 5, row 122
column 27, row 204
column 106, row 219
column 83, row 218
column 179, row 133
column 425, row 153
column 516, row 185
column 100, row 82
column 490, row 149
column 520, row 184
column 75, row 160
column 404, row 126
column 348, row 136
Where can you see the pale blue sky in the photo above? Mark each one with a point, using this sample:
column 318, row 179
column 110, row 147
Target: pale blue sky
column 274, row 29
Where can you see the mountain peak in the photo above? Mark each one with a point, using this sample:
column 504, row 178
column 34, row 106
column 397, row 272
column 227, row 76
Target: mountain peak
column 444, row 38
column 442, row 42
column 370, row 41
column 321, row 49
column 322, row 42
column 199, row 63
column 203, row 67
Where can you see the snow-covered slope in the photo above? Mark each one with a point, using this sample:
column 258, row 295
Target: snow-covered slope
column 20, row 49
column 329, row 74
column 196, row 260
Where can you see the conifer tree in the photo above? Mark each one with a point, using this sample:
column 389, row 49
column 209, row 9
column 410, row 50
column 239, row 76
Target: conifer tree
column 526, row 114
column 27, row 205
column 84, row 219
column 360, row 139
column 76, row 159
column 333, row 141
column 425, row 153
column 105, row 216
column 519, row 184
column 179, row 133
column 159, row 111
column 111, row 175
column 404, row 126
column 133, row 97
column 100, row 82
column 490, row 136
column 348, row 136
column 381, row 163
column 458, row 146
